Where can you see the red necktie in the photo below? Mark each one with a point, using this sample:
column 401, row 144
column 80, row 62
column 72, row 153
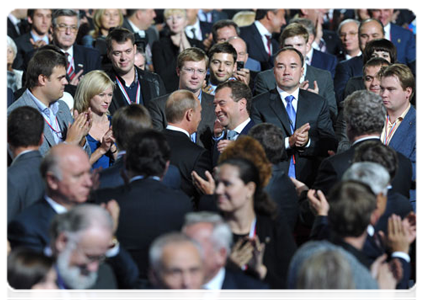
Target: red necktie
column 69, row 68
column 268, row 37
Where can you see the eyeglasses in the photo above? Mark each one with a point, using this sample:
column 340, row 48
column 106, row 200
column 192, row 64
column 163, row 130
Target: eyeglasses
column 64, row 27
column 192, row 71
column 92, row 258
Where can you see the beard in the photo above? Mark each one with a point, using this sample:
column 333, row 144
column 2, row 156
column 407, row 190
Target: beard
column 74, row 277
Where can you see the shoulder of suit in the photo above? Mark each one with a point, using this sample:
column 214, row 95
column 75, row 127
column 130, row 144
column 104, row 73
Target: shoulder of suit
column 147, row 75
column 86, row 50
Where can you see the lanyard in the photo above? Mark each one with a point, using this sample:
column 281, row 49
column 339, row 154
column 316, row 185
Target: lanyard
column 57, row 132
column 388, row 135
column 125, row 94
column 251, row 235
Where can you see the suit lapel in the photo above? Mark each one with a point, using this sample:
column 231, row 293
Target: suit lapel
column 145, row 89
column 303, row 109
column 279, row 109
column 403, row 129
column 259, row 43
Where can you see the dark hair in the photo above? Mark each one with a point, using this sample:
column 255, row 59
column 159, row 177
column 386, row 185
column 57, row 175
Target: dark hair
column 127, row 121
column 43, row 62
column 380, row 45
column 351, row 206
column 222, row 48
column 148, row 153
column 272, row 139
column 120, row 35
column 31, row 12
column 25, row 126
column 221, row 24
column 27, row 267
column 239, row 90
column 375, row 151
column 375, row 62
column 290, row 49
column 248, row 172
column 261, row 13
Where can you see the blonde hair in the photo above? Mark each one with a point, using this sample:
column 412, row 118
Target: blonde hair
column 97, row 21
column 91, row 85
column 244, row 18
column 174, row 11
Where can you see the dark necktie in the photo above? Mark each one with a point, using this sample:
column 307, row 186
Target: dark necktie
column 292, row 118
column 193, row 33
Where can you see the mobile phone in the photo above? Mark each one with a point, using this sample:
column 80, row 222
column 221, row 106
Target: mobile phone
column 239, row 65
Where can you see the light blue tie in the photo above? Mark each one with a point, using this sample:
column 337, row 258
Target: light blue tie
column 292, row 118
column 231, row 135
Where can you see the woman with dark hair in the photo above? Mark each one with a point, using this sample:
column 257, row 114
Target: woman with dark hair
column 382, row 48
column 28, row 269
column 264, row 245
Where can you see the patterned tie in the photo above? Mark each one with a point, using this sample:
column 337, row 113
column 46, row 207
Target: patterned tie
column 269, row 50
column 292, row 118
column 69, row 67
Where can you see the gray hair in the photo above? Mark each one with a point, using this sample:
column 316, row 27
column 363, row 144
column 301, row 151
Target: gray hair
column 364, row 113
column 156, row 249
column 11, row 43
column 345, row 22
column 370, row 173
column 63, row 13
column 79, row 219
column 221, row 236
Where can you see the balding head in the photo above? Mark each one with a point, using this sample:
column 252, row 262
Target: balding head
column 240, row 47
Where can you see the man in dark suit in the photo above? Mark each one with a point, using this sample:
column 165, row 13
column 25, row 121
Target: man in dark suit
column 133, row 84
column 145, row 202
column 191, row 69
column 403, row 39
column 183, row 114
column 38, row 36
column 315, row 80
column 348, row 34
column 215, row 237
column 368, row 30
column 81, row 60
column 25, row 186
column 80, row 239
column 397, row 88
column 195, row 28
column 16, row 23
column 302, row 115
column 258, row 36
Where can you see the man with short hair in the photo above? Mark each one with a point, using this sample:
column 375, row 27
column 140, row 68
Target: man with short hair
column 133, row 84
column 38, row 36
column 183, row 114
column 80, row 60
column 215, row 237
column 313, row 79
column 258, row 36
column 348, row 33
column 176, row 262
column 46, row 80
column 243, row 62
column 397, row 86
column 25, row 186
column 191, row 69
column 403, row 39
column 80, row 239
column 302, row 115
column 196, row 29
column 145, row 202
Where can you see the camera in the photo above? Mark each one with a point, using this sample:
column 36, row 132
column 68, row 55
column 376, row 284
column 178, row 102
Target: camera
column 239, row 65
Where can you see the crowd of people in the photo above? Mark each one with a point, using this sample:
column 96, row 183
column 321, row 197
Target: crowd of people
column 211, row 149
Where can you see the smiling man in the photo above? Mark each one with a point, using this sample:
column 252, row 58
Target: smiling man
column 133, row 84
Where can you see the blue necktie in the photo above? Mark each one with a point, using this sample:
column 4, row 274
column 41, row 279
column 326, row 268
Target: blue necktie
column 292, row 118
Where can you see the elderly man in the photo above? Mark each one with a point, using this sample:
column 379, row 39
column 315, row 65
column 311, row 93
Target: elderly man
column 80, row 239
column 176, row 262
column 348, row 33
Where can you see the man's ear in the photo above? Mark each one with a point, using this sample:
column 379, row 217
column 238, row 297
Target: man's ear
column 52, row 181
column 178, row 71
column 61, row 242
column 42, row 80
column 189, row 113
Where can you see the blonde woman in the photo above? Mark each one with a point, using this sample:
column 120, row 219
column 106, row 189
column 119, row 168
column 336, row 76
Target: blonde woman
column 104, row 20
column 95, row 92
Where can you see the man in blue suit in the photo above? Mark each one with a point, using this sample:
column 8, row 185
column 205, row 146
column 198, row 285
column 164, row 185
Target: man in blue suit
column 403, row 39
column 397, row 88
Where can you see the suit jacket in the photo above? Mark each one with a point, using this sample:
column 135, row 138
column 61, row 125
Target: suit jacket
column 111, row 177
column 344, row 71
column 237, row 280
column 24, row 48
column 151, row 87
column 332, row 168
column 405, row 42
column 156, row 107
column 188, row 157
column 255, row 46
column 24, row 183
column 63, row 118
column 312, row 109
column 11, row 29
column 406, row 140
column 149, row 206
column 87, row 59
column 353, row 84
column 324, row 61
column 165, row 56
column 265, row 81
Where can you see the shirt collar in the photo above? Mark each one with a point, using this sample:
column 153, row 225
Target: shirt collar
column 174, row 128
column 373, row 137
column 54, row 107
column 260, row 27
column 387, row 31
column 58, row 208
column 216, row 282
column 241, row 126
column 283, row 94
column 37, row 38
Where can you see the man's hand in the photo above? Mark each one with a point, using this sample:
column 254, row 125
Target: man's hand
column 208, row 186
column 318, row 202
column 409, row 224
column 217, row 128
column 243, row 75
column 76, row 78
column 300, row 136
column 222, row 144
column 299, row 186
column 37, row 44
column 208, row 42
column 305, row 85
column 397, row 239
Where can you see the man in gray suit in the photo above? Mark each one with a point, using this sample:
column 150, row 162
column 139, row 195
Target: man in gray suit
column 46, row 80
column 191, row 69
column 24, row 182
column 314, row 79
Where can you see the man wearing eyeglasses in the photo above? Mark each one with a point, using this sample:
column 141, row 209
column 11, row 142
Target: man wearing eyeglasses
column 191, row 69
column 81, row 60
